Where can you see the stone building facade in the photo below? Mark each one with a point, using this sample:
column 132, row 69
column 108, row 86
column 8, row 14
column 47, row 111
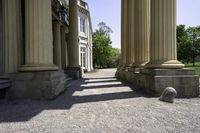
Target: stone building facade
column 41, row 46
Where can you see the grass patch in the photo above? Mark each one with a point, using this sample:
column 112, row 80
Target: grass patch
column 196, row 67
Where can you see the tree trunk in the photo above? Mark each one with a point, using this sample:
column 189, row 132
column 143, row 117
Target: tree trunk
column 193, row 60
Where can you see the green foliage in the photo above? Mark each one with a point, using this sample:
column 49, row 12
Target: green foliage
column 188, row 43
column 196, row 67
column 103, row 53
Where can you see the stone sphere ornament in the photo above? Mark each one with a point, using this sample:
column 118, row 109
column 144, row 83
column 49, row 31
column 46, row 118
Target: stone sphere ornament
column 168, row 95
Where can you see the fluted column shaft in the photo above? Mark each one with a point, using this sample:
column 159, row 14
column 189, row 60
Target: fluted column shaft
column 12, row 34
column 130, row 33
column 73, row 34
column 142, row 32
column 57, row 43
column 123, row 31
column 38, row 36
column 163, row 53
column 64, row 47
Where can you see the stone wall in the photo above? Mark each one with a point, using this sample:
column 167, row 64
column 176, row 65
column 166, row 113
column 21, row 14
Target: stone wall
column 154, row 81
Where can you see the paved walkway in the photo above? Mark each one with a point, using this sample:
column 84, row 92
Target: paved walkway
column 100, row 104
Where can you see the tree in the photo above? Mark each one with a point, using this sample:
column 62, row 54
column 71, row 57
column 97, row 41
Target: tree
column 102, row 49
column 194, row 50
column 182, row 43
column 188, row 43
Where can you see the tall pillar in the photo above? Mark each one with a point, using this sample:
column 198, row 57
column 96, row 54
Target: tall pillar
column 57, row 43
column 142, row 32
column 64, row 47
column 12, row 34
column 73, row 34
column 130, row 33
column 1, row 39
column 38, row 36
column 163, row 52
column 123, row 31
column 74, row 69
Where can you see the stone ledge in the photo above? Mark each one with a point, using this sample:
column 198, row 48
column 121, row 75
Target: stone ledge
column 37, row 85
column 154, row 81
column 160, row 72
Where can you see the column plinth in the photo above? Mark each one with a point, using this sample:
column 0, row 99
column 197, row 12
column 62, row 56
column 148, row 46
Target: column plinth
column 163, row 51
column 38, row 36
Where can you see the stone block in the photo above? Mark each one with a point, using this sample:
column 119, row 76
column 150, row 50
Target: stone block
column 168, row 95
column 154, row 81
column 37, row 85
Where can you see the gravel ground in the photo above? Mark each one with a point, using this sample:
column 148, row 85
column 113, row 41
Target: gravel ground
column 100, row 104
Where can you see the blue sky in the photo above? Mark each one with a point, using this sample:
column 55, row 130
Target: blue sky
column 109, row 11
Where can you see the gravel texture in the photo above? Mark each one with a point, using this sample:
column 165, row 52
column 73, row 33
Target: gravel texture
column 100, row 104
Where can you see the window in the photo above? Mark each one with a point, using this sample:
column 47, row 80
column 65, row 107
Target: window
column 83, row 57
column 82, row 25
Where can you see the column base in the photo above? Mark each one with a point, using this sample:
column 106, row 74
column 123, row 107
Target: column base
column 139, row 64
column 74, row 72
column 173, row 64
column 154, row 81
column 35, row 68
column 37, row 85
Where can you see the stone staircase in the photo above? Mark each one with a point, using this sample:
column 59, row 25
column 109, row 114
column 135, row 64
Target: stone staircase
column 4, row 84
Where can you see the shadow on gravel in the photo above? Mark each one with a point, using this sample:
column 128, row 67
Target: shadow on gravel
column 24, row 110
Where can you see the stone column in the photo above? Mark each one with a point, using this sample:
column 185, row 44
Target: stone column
column 74, row 69
column 73, row 34
column 123, row 31
column 57, row 43
column 163, row 53
column 142, row 32
column 130, row 33
column 12, row 34
column 1, row 39
column 64, row 47
column 38, row 36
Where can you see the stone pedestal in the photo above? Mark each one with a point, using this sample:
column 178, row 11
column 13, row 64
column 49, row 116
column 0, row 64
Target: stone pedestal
column 184, row 81
column 154, row 81
column 37, row 85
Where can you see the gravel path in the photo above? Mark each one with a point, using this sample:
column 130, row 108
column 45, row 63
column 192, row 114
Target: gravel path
column 100, row 104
